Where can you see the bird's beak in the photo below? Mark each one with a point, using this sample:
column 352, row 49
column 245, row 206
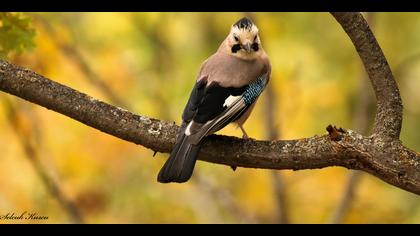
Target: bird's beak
column 247, row 47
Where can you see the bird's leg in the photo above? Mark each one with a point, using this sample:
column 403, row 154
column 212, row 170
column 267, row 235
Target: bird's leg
column 244, row 134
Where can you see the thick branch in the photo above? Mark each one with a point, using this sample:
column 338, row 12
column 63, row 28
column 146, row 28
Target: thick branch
column 401, row 167
column 388, row 120
column 152, row 133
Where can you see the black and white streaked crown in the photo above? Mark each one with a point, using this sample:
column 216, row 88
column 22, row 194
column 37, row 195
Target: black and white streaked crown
column 244, row 23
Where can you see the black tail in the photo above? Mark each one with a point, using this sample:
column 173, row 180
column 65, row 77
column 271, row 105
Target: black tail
column 180, row 164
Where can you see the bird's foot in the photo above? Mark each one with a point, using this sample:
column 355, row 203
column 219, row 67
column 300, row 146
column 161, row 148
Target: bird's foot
column 246, row 137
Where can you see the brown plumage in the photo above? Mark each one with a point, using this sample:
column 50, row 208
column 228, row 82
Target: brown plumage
column 226, row 90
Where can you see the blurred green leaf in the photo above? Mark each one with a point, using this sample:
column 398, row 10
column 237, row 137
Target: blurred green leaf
column 16, row 33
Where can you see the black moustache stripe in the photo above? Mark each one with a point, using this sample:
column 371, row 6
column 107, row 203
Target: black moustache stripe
column 255, row 47
column 236, row 48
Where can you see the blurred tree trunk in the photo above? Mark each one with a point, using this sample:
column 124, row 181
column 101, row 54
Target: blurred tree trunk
column 30, row 141
column 271, row 126
column 226, row 200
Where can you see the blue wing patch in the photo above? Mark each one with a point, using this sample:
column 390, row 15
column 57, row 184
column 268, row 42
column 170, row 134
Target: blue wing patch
column 254, row 90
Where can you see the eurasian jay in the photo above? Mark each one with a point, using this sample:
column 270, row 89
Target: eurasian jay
column 226, row 89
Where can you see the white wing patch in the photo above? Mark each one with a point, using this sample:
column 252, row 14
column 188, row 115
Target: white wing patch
column 229, row 100
column 188, row 129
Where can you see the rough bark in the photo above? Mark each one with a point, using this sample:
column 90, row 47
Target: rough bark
column 380, row 154
column 388, row 118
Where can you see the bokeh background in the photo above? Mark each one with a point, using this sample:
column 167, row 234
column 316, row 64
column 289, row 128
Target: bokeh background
column 147, row 63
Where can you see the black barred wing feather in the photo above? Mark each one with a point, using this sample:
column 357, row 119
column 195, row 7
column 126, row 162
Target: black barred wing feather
column 196, row 97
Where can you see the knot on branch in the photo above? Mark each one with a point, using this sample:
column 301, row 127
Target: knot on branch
column 335, row 133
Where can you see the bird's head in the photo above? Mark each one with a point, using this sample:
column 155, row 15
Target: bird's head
column 243, row 39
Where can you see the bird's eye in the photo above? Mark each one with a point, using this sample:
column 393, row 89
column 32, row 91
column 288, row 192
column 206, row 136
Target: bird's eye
column 236, row 38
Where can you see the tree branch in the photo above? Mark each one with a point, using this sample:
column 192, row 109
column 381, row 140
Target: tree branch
column 388, row 118
column 381, row 154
